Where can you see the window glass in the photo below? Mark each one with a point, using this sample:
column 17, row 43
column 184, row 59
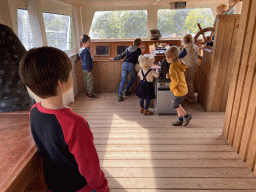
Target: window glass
column 177, row 23
column 119, row 24
column 24, row 29
column 58, row 31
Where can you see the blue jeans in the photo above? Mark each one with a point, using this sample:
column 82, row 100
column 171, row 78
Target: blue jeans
column 93, row 190
column 127, row 68
column 146, row 104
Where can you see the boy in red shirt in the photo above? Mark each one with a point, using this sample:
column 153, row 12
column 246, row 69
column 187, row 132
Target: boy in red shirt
column 63, row 138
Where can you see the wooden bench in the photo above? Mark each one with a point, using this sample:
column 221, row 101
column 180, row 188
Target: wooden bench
column 19, row 160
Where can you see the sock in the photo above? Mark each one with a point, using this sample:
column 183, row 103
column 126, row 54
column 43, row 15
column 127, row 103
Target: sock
column 186, row 116
column 181, row 118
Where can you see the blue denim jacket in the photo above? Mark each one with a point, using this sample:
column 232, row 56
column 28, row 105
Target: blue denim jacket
column 86, row 59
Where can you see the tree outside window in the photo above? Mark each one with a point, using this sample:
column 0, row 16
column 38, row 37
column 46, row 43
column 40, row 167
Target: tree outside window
column 58, row 30
column 177, row 23
column 119, row 24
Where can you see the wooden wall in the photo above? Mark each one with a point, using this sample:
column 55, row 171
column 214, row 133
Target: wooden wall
column 240, row 118
column 217, row 66
column 205, row 80
column 107, row 74
column 113, row 46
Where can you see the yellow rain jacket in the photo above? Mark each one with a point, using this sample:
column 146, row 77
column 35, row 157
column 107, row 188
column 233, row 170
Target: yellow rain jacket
column 178, row 82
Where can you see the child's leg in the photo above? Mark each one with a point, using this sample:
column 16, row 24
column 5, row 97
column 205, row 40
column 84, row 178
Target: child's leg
column 90, row 83
column 123, row 79
column 85, row 81
column 146, row 111
column 176, row 104
column 133, row 75
column 181, row 111
column 183, row 116
column 141, row 105
column 142, row 102
column 147, row 103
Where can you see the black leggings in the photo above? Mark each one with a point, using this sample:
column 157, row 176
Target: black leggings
column 146, row 104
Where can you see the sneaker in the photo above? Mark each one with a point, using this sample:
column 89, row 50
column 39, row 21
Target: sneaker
column 126, row 93
column 177, row 123
column 91, row 96
column 186, row 120
column 120, row 98
column 95, row 97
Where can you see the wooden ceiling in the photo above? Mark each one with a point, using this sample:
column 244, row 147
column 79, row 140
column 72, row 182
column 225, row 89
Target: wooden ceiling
column 117, row 3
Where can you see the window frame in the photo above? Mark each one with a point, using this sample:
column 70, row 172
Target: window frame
column 29, row 25
column 71, row 51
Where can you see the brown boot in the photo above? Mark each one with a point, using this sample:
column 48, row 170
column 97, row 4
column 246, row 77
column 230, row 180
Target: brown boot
column 141, row 109
column 147, row 112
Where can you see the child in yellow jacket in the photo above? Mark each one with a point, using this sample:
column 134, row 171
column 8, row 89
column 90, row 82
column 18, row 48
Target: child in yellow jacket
column 178, row 84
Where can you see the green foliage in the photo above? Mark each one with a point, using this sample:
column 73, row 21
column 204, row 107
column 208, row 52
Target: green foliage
column 169, row 22
column 201, row 16
column 59, row 30
column 119, row 24
column 132, row 24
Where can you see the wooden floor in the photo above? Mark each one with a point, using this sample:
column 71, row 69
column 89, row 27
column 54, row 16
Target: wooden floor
column 147, row 154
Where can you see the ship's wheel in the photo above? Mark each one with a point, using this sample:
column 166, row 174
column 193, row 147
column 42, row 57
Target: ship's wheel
column 202, row 32
column 209, row 31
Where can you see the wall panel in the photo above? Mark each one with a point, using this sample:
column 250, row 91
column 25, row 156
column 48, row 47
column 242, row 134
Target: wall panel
column 217, row 66
column 240, row 125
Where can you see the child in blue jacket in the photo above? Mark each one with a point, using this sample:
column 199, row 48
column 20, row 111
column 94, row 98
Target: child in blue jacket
column 87, row 66
column 131, row 56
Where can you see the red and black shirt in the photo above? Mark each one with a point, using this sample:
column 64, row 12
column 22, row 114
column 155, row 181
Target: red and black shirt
column 65, row 142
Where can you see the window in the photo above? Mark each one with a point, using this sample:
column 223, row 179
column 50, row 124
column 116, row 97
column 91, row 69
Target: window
column 177, row 23
column 102, row 50
column 58, row 31
column 24, row 29
column 119, row 24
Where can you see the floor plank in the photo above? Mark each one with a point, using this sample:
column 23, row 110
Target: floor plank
column 147, row 154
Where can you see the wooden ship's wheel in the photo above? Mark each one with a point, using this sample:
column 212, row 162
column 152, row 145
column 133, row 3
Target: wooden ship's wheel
column 202, row 32
column 199, row 43
column 205, row 38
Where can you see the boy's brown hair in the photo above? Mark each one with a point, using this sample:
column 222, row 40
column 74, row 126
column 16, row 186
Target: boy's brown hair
column 137, row 42
column 173, row 53
column 84, row 38
column 41, row 68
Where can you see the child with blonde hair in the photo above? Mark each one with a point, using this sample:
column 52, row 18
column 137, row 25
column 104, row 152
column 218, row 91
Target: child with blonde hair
column 145, row 90
column 178, row 84
column 189, row 56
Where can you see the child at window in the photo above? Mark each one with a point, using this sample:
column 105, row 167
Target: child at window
column 131, row 59
column 189, row 56
column 178, row 85
column 145, row 90
column 63, row 138
column 87, row 66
